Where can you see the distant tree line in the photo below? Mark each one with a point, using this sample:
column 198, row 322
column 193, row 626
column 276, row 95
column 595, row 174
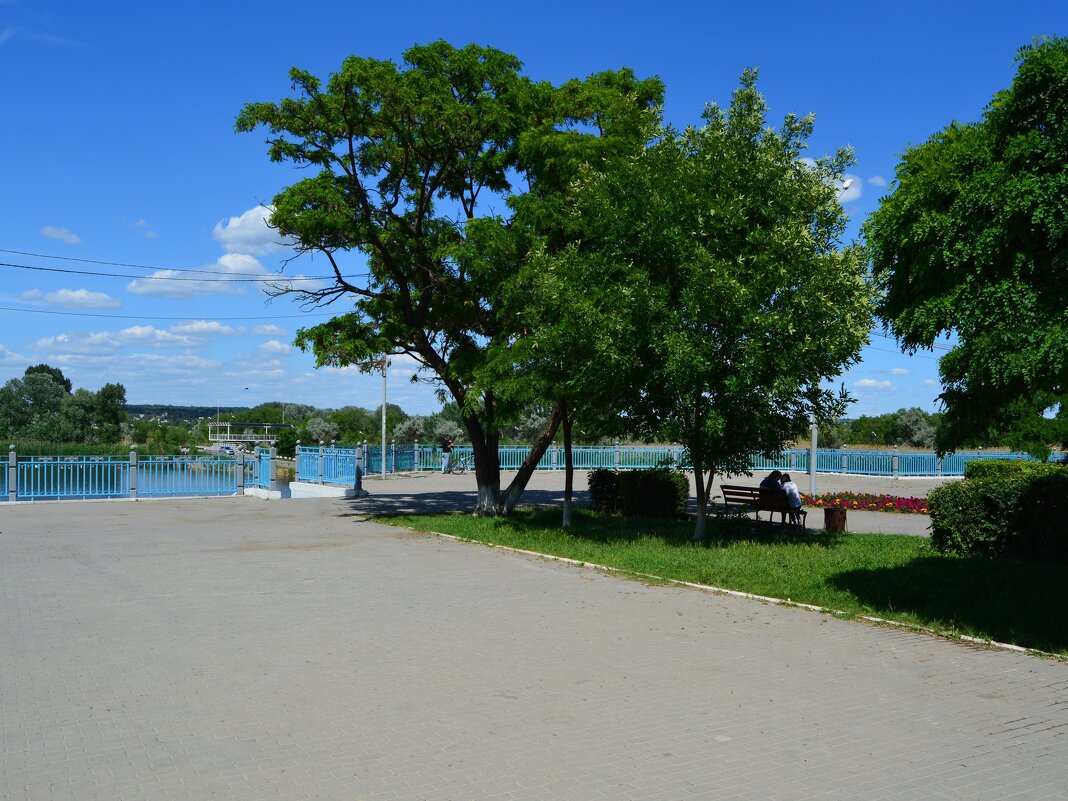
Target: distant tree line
column 912, row 427
column 44, row 406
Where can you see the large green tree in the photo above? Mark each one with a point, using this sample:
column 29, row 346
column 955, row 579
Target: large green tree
column 748, row 303
column 972, row 241
column 442, row 174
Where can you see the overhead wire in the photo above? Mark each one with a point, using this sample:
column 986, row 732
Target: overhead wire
column 197, row 271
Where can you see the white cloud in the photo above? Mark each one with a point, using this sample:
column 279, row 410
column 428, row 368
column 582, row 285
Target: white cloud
column 183, row 285
column 61, row 235
column 930, row 382
column 269, row 331
column 8, row 357
column 107, row 342
column 877, row 180
column 249, row 233
column 204, row 328
column 78, row 298
column 871, row 383
column 275, row 347
column 900, row 371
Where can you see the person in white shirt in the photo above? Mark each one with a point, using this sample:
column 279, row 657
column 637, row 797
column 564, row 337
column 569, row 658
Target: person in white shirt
column 793, row 495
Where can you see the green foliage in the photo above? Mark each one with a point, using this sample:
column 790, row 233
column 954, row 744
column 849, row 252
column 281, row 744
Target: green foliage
column 971, row 242
column 1008, row 468
column 656, row 493
column 603, row 486
column 52, row 372
column 717, row 252
column 913, row 427
column 413, row 166
column 39, row 406
column 1006, row 512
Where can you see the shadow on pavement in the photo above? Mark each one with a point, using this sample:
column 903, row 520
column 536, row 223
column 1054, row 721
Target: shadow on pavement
column 448, row 501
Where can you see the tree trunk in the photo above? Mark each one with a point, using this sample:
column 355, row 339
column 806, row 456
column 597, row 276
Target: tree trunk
column 569, row 470
column 703, row 489
column 510, row 496
column 487, row 466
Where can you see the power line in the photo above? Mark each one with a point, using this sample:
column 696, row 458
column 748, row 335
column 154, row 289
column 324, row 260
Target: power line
column 262, row 279
column 150, row 316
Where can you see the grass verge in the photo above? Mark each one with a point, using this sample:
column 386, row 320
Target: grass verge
column 893, row 577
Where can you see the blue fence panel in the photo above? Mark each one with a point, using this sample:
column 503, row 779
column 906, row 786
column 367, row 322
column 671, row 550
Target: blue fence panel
column 263, row 468
column 917, row 464
column 172, row 476
column 339, row 466
column 3, row 483
column 868, row 463
column 307, row 464
column 780, row 461
column 512, row 457
column 828, row 461
column 55, row 477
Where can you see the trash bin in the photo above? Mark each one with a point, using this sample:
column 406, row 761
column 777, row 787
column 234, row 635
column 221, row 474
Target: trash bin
column 834, row 519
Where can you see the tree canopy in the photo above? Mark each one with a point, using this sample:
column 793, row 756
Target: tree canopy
column 442, row 174
column 972, row 241
column 747, row 303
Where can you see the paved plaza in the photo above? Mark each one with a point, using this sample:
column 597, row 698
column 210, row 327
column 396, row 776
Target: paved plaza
column 244, row 650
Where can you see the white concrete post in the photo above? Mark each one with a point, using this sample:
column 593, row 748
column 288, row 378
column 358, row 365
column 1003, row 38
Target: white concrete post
column 133, row 471
column 12, row 474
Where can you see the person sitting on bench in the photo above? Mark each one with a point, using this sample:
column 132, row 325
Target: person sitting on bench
column 773, row 483
column 793, row 496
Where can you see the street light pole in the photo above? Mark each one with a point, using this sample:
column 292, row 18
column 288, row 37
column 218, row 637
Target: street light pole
column 385, row 363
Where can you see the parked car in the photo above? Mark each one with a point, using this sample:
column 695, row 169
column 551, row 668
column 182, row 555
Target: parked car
column 226, row 450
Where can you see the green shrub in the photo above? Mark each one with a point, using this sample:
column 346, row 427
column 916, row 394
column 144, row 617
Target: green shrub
column 1008, row 468
column 1008, row 513
column 604, row 490
column 655, row 493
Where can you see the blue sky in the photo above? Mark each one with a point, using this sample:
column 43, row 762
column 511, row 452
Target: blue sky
column 118, row 146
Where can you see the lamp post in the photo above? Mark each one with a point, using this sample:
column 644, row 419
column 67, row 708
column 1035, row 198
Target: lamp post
column 812, row 458
column 385, row 365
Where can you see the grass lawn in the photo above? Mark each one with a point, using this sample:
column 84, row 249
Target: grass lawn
column 893, row 577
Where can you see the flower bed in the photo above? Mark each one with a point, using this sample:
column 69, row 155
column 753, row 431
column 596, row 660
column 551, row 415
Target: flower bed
column 866, row 502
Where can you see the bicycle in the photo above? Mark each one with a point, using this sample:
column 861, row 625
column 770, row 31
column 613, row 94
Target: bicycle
column 459, row 465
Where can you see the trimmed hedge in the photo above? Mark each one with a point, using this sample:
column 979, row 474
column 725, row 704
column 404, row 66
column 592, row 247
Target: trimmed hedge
column 640, row 493
column 1006, row 510
column 1007, row 468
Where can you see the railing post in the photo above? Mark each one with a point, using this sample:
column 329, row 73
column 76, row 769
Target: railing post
column 320, row 461
column 895, row 465
column 393, row 456
column 359, row 469
column 415, row 461
column 12, row 474
column 273, row 467
column 617, row 455
column 239, row 472
column 133, row 471
column 843, row 465
column 296, row 461
column 938, row 465
column 553, row 458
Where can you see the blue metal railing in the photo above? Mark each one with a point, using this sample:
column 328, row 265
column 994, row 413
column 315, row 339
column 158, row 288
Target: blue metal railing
column 178, row 476
column 55, row 477
column 263, row 468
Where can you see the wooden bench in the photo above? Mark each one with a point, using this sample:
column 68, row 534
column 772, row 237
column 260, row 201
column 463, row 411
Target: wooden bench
column 754, row 499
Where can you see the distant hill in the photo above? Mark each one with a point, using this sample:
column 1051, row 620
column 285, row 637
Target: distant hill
column 178, row 414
